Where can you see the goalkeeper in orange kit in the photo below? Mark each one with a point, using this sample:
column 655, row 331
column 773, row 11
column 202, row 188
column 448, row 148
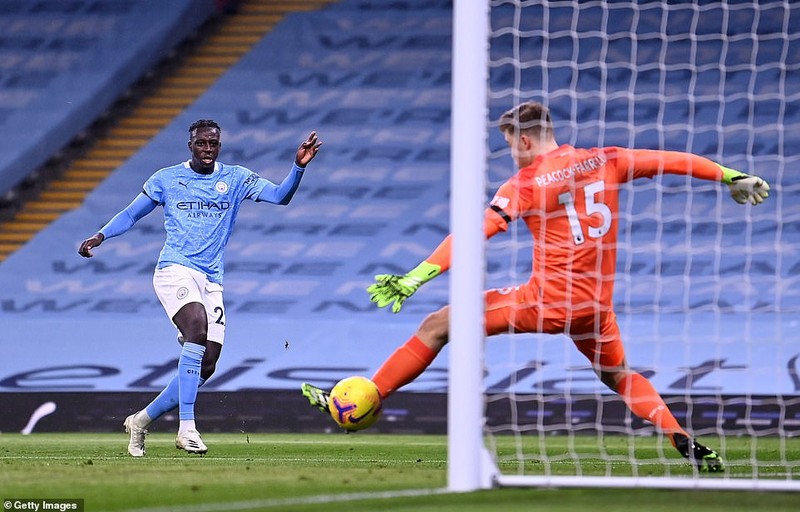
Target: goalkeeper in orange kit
column 568, row 199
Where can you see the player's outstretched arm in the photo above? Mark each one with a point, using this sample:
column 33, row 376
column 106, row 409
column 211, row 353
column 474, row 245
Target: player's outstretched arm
column 395, row 289
column 744, row 187
column 307, row 150
column 120, row 223
column 283, row 193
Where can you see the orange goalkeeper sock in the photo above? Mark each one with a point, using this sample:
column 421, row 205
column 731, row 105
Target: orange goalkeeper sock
column 403, row 366
column 644, row 401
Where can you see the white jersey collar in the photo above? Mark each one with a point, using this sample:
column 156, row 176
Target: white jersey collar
column 187, row 164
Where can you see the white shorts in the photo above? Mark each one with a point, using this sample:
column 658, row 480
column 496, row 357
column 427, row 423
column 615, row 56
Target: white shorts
column 177, row 286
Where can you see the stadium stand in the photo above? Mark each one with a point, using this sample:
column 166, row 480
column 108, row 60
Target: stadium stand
column 373, row 78
column 183, row 73
column 64, row 63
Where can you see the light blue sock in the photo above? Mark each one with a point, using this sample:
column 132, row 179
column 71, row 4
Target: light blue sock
column 167, row 400
column 189, row 378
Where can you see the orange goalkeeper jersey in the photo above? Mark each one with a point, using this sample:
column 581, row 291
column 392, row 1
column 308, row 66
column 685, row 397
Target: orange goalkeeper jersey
column 569, row 200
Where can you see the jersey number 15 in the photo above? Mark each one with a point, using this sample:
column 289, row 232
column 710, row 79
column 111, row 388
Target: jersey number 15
column 592, row 207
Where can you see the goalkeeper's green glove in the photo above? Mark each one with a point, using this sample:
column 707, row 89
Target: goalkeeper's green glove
column 745, row 188
column 391, row 288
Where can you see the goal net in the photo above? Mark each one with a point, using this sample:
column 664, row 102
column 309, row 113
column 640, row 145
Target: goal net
column 707, row 291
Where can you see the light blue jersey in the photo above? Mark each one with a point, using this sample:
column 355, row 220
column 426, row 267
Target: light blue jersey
column 200, row 211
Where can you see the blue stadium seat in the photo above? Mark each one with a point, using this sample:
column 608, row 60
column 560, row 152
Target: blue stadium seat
column 62, row 64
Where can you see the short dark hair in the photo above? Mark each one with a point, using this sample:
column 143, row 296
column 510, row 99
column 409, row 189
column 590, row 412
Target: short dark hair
column 531, row 117
column 203, row 123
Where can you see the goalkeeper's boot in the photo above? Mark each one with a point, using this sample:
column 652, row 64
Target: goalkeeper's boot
column 703, row 457
column 136, row 443
column 319, row 398
column 190, row 441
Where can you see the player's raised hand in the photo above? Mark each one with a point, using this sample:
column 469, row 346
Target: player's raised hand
column 307, row 150
column 89, row 244
column 748, row 189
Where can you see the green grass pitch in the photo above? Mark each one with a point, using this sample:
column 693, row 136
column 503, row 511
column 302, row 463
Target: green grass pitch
column 316, row 472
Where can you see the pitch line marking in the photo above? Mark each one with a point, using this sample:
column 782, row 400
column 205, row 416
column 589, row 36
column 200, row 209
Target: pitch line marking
column 285, row 502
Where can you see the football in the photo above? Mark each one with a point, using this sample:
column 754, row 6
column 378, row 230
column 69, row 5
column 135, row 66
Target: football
column 355, row 403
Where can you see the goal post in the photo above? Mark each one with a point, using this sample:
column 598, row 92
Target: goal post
column 704, row 287
column 466, row 464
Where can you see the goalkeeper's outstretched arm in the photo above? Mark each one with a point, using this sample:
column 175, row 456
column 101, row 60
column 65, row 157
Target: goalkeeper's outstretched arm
column 395, row 289
column 744, row 188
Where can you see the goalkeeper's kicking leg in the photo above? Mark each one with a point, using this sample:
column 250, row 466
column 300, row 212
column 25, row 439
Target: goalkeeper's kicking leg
column 412, row 358
column 404, row 365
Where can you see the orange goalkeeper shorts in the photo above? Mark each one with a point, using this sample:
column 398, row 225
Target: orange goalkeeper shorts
column 595, row 334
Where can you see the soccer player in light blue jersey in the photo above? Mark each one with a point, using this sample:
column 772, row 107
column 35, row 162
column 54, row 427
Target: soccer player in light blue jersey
column 201, row 198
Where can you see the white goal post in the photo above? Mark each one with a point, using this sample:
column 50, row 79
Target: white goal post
column 704, row 286
column 466, row 464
